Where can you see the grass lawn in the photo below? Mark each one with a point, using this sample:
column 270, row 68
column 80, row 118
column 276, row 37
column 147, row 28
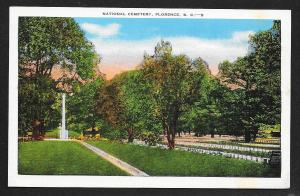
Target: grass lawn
column 55, row 134
column 161, row 162
column 58, row 157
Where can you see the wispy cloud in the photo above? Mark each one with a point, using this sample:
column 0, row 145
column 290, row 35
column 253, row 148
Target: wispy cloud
column 127, row 54
column 100, row 30
column 242, row 36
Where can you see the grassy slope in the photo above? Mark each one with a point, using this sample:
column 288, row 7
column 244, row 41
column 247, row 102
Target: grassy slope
column 160, row 162
column 57, row 157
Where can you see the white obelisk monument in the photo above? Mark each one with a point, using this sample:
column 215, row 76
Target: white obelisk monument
column 63, row 131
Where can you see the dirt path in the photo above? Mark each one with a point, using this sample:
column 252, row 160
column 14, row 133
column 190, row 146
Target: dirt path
column 115, row 161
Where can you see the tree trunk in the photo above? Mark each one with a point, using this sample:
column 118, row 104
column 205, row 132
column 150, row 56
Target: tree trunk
column 212, row 133
column 37, row 128
column 247, row 136
column 130, row 135
column 254, row 135
column 173, row 130
column 171, row 141
column 171, row 127
column 35, row 133
column 172, row 144
column 171, row 137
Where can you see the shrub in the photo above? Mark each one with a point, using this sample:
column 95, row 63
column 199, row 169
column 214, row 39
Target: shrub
column 97, row 137
column 267, row 131
column 81, row 137
column 113, row 134
column 150, row 138
column 54, row 133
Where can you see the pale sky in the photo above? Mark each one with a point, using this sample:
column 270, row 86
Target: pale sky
column 122, row 42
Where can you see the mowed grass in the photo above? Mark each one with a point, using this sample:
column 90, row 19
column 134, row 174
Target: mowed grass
column 162, row 162
column 59, row 157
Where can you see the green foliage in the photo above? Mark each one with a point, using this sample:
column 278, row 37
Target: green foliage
column 267, row 131
column 257, row 75
column 36, row 96
column 163, row 162
column 150, row 138
column 138, row 109
column 113, row 133
column 270, row 128
column 231, row 111
column 62, row 158
column 108, row 104
column 174, row 82
column 125, row 103
column 203, row 116
column 46, row 43
column 81, row 105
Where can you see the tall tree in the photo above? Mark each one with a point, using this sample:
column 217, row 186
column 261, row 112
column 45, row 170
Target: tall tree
column 198, row 116
column 127, row 105
column 208, row 106
column 81, row 106
column 138, row 106
column 36, row 96
column 257, row 75
column 46, row 43
column 171, row 79
column 110, row 109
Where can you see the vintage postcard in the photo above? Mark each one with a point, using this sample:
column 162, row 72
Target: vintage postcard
column 122, row 97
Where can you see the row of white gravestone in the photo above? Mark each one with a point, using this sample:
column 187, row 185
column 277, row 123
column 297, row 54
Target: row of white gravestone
column 241, row 148
column 230, row 155
column 212, row 152
column 231, row 147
